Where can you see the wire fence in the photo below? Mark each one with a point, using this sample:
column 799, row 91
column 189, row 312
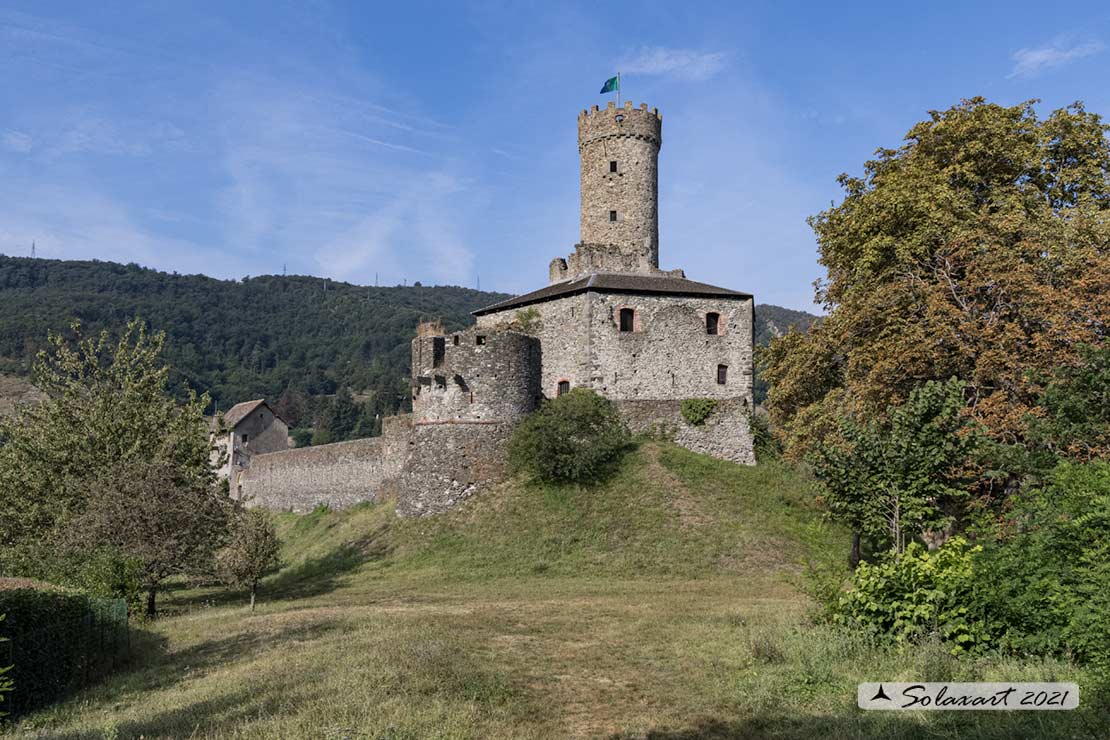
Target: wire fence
column 53, row 660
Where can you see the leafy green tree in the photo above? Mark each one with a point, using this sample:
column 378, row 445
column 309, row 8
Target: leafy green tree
column 156, row 515
column 893, row 482
column 575, row 438
column 1075, row 409
column 252, row 552
column 108, row 407
column 979, row 249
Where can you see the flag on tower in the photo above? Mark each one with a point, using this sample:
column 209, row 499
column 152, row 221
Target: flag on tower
column 613, row 84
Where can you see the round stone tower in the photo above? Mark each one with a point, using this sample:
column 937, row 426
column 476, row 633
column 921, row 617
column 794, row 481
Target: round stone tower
column 619, row 149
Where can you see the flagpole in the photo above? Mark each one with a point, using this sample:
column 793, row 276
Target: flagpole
column 618, row 89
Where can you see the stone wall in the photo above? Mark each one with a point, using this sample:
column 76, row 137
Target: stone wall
column 669, row 355
column 450, row 462
column 726, row 434
column 338, row 475
column 564, row 345
column 479, row 375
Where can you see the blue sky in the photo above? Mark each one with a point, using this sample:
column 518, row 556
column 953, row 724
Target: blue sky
column 436, row 141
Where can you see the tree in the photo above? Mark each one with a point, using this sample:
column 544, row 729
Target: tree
column 980, row 249
column 167, row 522
column 1074, row 418
column 252, row 552
column 108, row 406
column 893, row 482
column 575, row 438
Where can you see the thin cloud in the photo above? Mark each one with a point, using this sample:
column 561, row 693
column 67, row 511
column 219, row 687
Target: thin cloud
column 680, row 64
column 1030, row 63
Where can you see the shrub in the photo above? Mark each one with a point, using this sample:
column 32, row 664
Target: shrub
column 696, row 410
column 1050, row 578
column 252, row 552
column 918, row 594
column 59, row 638
column 575, row 438
column 6, row 684
column 764, row 444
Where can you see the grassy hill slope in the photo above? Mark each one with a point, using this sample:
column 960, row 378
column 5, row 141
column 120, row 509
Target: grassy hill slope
column 661, row 604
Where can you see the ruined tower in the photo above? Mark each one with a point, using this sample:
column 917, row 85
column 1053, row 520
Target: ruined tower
column 619, row 155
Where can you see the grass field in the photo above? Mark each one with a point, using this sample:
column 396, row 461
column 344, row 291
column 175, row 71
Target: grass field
column 662, row 604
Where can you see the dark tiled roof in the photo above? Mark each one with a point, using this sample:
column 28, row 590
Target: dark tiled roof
column 612, row 282
column 241, row 411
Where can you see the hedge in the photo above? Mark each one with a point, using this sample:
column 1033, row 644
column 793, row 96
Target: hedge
column 57, row 641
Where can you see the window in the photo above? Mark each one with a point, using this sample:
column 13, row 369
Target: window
column 612, row 165
column 722, row 374
column 246, row 438
column 711, row 321
column 564, row 387
column 480, row 339
column 612, row 216
column 439, row 349
column 455, row 340
column 628, row 319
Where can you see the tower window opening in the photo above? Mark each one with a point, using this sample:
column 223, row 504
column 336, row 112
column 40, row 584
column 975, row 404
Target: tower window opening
column 612, row 165
column 439, row 349
column 480, row 339
column 563, row 388
column 711, row 322
column 612, row 216
column 722, row 374
column 455, row 340
column 627, row 319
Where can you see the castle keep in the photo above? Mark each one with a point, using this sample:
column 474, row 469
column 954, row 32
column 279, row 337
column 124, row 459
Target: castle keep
column 609, row 319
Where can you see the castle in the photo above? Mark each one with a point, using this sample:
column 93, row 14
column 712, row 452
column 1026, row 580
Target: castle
column 610, row 319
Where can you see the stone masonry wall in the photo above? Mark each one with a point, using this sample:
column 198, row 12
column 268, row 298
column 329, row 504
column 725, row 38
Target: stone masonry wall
column 725, row 435
column 338, row 475
column 563, row 340
column 669, row 355
column 450, row 462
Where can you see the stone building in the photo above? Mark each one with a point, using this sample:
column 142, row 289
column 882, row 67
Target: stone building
column 248, row 429
column 613, row 321
column 469, row 390
column 610, row 319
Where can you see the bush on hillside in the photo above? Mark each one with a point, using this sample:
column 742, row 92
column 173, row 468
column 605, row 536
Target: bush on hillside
column 58, row 639
column 918, row 594
column 575, row 438
column 1050, row 579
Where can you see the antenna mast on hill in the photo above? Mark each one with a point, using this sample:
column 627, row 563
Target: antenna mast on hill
column 32, row 249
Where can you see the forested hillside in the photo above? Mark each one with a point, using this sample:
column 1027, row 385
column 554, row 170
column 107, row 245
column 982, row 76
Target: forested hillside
column 334, row 356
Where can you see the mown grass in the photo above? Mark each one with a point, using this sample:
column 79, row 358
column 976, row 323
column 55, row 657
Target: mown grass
column 659, row 604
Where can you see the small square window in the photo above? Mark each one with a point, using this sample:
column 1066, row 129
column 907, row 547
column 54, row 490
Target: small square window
column 246, row 438
column 612, row 165
column 480, row 339
column 722, row 374
column 612, row 215
column 564, row 388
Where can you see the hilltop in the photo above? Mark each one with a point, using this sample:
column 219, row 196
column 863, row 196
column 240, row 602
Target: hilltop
column 256, row 337
column 663, row 603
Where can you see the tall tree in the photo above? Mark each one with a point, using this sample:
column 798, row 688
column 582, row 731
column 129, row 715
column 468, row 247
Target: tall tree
column 109, row 427
column 980, row 249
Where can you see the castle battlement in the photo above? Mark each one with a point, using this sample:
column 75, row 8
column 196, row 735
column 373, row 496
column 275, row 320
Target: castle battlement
column 612, row 122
